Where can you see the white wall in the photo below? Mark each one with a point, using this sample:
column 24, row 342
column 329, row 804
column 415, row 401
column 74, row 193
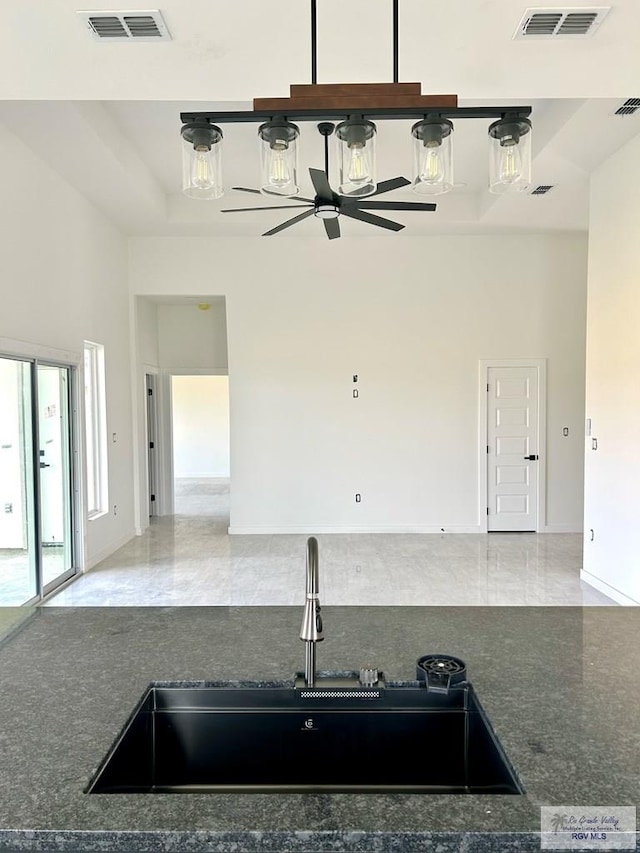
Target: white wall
column 412, row 317
column 612, row 472
column 63, row 280
column 200, row 426
column 146, row 315
column 190, row 338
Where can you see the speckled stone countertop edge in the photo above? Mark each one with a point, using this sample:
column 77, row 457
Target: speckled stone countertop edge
column 24, row 841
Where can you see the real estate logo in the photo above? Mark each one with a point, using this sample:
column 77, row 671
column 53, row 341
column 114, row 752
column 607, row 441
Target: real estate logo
column 588, row 828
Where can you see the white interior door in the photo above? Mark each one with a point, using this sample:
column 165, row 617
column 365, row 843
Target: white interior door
column 512, row 448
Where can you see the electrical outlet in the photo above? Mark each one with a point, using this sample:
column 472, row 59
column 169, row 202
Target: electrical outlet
column 115, row 509
column 8, row 508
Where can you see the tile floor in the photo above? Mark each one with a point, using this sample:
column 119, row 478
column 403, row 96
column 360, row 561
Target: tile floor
column 189, row 559
column 17, row 573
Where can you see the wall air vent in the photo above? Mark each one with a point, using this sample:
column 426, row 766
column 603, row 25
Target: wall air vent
column 629, row 108
column 569, row 22
column 542, row 189
column 125, row 26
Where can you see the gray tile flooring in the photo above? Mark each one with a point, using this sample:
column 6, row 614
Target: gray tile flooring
column 189, row 559
column 17, row 573
column 16, row 577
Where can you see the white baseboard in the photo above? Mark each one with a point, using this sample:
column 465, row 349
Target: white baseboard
column 105, row 552
column 603, row 587
column 562, row 528
column 367, row 528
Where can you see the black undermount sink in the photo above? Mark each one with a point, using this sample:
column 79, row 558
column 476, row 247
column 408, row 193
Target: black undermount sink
column 259, row 739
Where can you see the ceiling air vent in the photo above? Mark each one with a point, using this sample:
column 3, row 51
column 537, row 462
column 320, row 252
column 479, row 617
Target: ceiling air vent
column 126, row 26
column 569, row 22
column 543, row 189
column 629, row 108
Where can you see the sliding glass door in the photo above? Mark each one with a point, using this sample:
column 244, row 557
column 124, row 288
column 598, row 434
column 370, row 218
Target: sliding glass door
column 55, row 474
column 36, row 479
column 18, row 535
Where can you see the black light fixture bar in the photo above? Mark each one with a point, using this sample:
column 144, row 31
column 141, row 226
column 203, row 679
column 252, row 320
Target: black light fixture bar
column 384, row 114
column 314, row 42
column 396, row 51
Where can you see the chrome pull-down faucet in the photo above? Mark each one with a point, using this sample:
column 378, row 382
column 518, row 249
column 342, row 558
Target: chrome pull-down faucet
column 311, row 630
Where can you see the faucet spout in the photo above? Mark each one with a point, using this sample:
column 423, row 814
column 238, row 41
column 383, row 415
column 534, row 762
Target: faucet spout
column 311, row 630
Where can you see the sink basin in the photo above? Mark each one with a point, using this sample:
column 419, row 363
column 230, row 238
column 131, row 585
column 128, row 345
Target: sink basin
column 280, row 739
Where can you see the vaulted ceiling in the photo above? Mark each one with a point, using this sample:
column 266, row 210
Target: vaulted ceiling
column 106, row 115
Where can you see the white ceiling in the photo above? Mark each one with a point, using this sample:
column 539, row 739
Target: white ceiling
column 106, row 116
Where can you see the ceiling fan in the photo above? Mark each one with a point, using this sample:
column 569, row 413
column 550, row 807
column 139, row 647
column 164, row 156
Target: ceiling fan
column 329, row 205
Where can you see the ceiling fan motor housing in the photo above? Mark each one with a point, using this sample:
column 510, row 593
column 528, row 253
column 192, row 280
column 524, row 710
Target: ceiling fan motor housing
column 327, row 211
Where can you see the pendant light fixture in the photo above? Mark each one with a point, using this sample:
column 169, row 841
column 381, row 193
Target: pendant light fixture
column 201, row 159
column 432, row 156
column 510, row 154
column 279, row 157
column 357, row 156
column 355, row 107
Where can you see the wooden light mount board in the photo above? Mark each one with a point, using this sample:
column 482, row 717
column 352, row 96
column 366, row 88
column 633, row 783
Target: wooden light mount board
column 354, row 97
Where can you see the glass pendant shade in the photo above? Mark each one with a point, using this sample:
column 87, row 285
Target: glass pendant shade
column 432, row 156
column 279, row 158
column 202, row 160
column 510, row 155
column 357, row 157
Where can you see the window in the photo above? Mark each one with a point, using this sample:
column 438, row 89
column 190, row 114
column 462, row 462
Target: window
column 95, row 416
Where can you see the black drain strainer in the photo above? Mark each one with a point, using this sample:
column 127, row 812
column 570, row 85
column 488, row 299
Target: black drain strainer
column 440, row 672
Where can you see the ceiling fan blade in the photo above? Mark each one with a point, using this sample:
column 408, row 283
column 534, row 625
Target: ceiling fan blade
column 246, row 190
column 369, row 218
column 289, row 222
column 393, row 205
column 278, row 207
column 391, row 184
column 321, row 185
column 332, row 227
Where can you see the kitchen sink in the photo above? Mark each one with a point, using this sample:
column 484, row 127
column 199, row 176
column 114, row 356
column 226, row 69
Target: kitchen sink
column 257, row 739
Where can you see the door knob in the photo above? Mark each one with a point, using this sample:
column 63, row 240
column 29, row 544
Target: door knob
column 532, row 458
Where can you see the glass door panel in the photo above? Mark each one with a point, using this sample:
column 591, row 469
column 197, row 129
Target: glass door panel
column 55, row 473
column 18, row 539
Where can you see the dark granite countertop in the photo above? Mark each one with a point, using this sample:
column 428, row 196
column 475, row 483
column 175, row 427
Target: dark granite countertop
column 560, row 686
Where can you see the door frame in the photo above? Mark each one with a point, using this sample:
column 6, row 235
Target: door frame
column 540, row 364
column 71, row 450
column 151, row 380
column 165, row 425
